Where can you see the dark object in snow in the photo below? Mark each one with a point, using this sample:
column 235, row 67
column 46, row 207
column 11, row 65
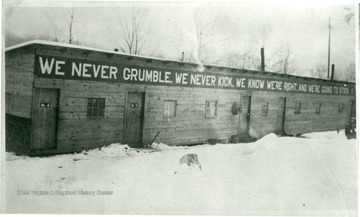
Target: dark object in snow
column 350, row 132
column 190, row 160
column 235, row 139
column 216, row 141
column 76, row 159
column 213, row 141
column 60, row 167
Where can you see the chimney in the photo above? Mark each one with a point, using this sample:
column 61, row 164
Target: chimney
column 332, row 71
column 182, row 56
column 262, row 59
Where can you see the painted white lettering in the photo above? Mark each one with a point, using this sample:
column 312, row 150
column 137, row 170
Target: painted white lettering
column 46, row 67
column 155, row 76
column 167, row 77
column 256, row 83
column 225, row 82
column 178, row 78
column 104, row 71
column 313, row 88
column 96, row 70
column 113, row 72
column 289, row 86
column 326, row 89
column 303, row 87
column 192, row 79
column 161, row 80
column 133, row 74
column 213, row 80
column 126, row 74
column 270, row 85
column 85, row 70
column 240, row 82
column 76, row 69
column 58, row 67
column 344, row 90
column 148, row 76
column 141, row 76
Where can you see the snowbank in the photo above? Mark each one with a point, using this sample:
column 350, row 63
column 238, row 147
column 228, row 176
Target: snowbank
column 315, row 175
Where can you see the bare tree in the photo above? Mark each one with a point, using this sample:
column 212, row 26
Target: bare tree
column 286, row 63
column 71, row 24
column 63, row 29
column 350, row 72
column 132, row 32
column 263, row 39
column 320, row 71
column 203, row 31
column 349, row 14
column 198, row 44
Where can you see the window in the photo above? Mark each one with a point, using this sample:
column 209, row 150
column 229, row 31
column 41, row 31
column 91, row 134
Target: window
column 341, row 108
column 211, row 109
column 317, row 108
column 170, row 108
column 264, row 109
column 95, row 107
column 297, row 108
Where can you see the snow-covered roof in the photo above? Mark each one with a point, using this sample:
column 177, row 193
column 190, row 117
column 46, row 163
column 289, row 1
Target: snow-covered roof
column 61, row 44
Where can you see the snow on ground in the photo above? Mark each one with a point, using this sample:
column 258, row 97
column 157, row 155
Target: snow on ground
column 313, row 175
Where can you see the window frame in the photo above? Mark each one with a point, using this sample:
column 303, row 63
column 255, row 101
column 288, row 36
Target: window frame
column 265, row 112
column 317, row 108
column 100, row 108
column 166, row 114
column 341, row 108
column 207, row 115
column 297, row 110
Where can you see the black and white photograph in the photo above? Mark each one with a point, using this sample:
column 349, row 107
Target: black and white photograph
column 179, row 108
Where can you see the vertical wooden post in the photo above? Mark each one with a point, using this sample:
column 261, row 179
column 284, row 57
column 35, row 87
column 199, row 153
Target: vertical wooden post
column 332, row 71
column 262, row 59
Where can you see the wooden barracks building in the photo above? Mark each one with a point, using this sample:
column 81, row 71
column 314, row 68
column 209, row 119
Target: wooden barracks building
column 62, row 98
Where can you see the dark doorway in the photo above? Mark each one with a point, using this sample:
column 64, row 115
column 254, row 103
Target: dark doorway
column 44, row 119
column 134, row 119
column 245, row 116
column 281, row 116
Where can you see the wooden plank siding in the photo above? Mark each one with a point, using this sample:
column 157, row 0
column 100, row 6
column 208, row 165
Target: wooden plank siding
column 307, row 121
column 76, row 131
column 190, row 124
column 19, row 76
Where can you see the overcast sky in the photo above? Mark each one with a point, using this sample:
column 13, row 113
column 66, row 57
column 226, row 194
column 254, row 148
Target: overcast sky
column 302, row 27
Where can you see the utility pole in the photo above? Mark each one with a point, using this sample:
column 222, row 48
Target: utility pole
column 328, row 69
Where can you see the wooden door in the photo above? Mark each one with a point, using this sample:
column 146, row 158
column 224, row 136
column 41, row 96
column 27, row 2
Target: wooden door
column 44, row 119
column 245, row 115
column 281, row 115
column 134, row 119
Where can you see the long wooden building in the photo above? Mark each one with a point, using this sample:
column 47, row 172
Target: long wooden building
column 62, row 98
